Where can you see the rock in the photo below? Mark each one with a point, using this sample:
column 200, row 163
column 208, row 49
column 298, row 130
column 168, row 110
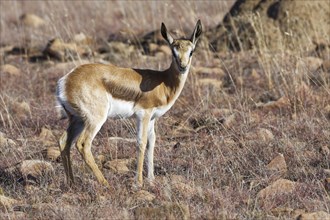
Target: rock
column 53, row 153
column 46, row 136
column 179, row 185
column 62, row 51
column 165, row 49
column 100, row 158
column 209, row 71
column 325, row 150
column 255, row 75
column 6, row 203
column 326, row 66
column 327, row 184
column 31, row 20
column 326, row 172
column 221, row 112
column 121, row 48
column 290, row 24
column 184, row 189
column 21, row 109
column 314, row 216
column 310, row 64
column 229, row 121
column 143, row 196
column 119, row 165
column 297, row 212
column 282, row 102
column 327, row 112
column 6, row 142
column 165, row 211
column 265, row 134
column 279, row 188
column 280, row 211
column 36, row 169
column 10, row 69
column 82, row 39
column 278, row 164
column 153, row 47
column 210, row 82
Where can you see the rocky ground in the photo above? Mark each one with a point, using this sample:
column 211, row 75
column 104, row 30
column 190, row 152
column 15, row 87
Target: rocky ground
column 249, row 138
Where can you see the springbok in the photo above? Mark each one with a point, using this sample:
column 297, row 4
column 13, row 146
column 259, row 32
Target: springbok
column 91, row 93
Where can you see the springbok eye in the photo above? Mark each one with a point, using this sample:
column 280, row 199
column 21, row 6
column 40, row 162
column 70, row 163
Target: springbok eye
column 191, row 53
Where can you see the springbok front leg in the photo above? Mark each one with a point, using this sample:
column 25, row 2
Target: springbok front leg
column 150, row 150
column 143, row 122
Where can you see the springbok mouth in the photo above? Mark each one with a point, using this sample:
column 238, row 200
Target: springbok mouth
column 182, row 68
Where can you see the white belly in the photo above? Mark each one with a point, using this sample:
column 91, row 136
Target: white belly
column 120, row 108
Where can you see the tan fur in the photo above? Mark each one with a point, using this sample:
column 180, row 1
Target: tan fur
column 92, row 92
column 147, row 88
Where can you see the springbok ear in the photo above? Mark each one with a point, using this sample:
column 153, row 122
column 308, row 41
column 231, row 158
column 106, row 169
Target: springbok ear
column 167, row 36
column 197, row 32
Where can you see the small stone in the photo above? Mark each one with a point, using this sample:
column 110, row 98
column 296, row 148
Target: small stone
column 282, row 211
column 327, row 184
column 121, row 48
column 36, row 169
column 278, row 188
column 3, row 140
column 100, row 158
column 310, row 64
column 165, row 211
column 10, row 69
column 144, row 196
column 282, row 102
column 255, row 75
column 32, row 20
column 278, row 164
column 297, row 212
column 221, row 112
column 327, row 112
column 21, row 109
column 179, row 184
column 53, row 153
column 165, row 49
column 208, row 71
column 210, row 82
column 62, row 51
column 326, row 65
column 46, row 135
column 82, row 39
column 153, row 47
column 6, row 203
column 325, row 150
column 326, row 172
column 229, row 121
column 118, row 165
column 265, row 134
column 314, row 216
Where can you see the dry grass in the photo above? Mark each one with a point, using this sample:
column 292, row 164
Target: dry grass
column 220, row 164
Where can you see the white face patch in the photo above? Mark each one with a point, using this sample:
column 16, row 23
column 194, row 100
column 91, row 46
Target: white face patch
column 182, row 53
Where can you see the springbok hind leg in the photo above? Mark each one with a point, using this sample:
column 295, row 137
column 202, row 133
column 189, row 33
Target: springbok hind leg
column 65, row 143
column 84, row 145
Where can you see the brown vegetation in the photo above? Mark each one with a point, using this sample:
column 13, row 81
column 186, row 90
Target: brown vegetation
column 248, row 138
